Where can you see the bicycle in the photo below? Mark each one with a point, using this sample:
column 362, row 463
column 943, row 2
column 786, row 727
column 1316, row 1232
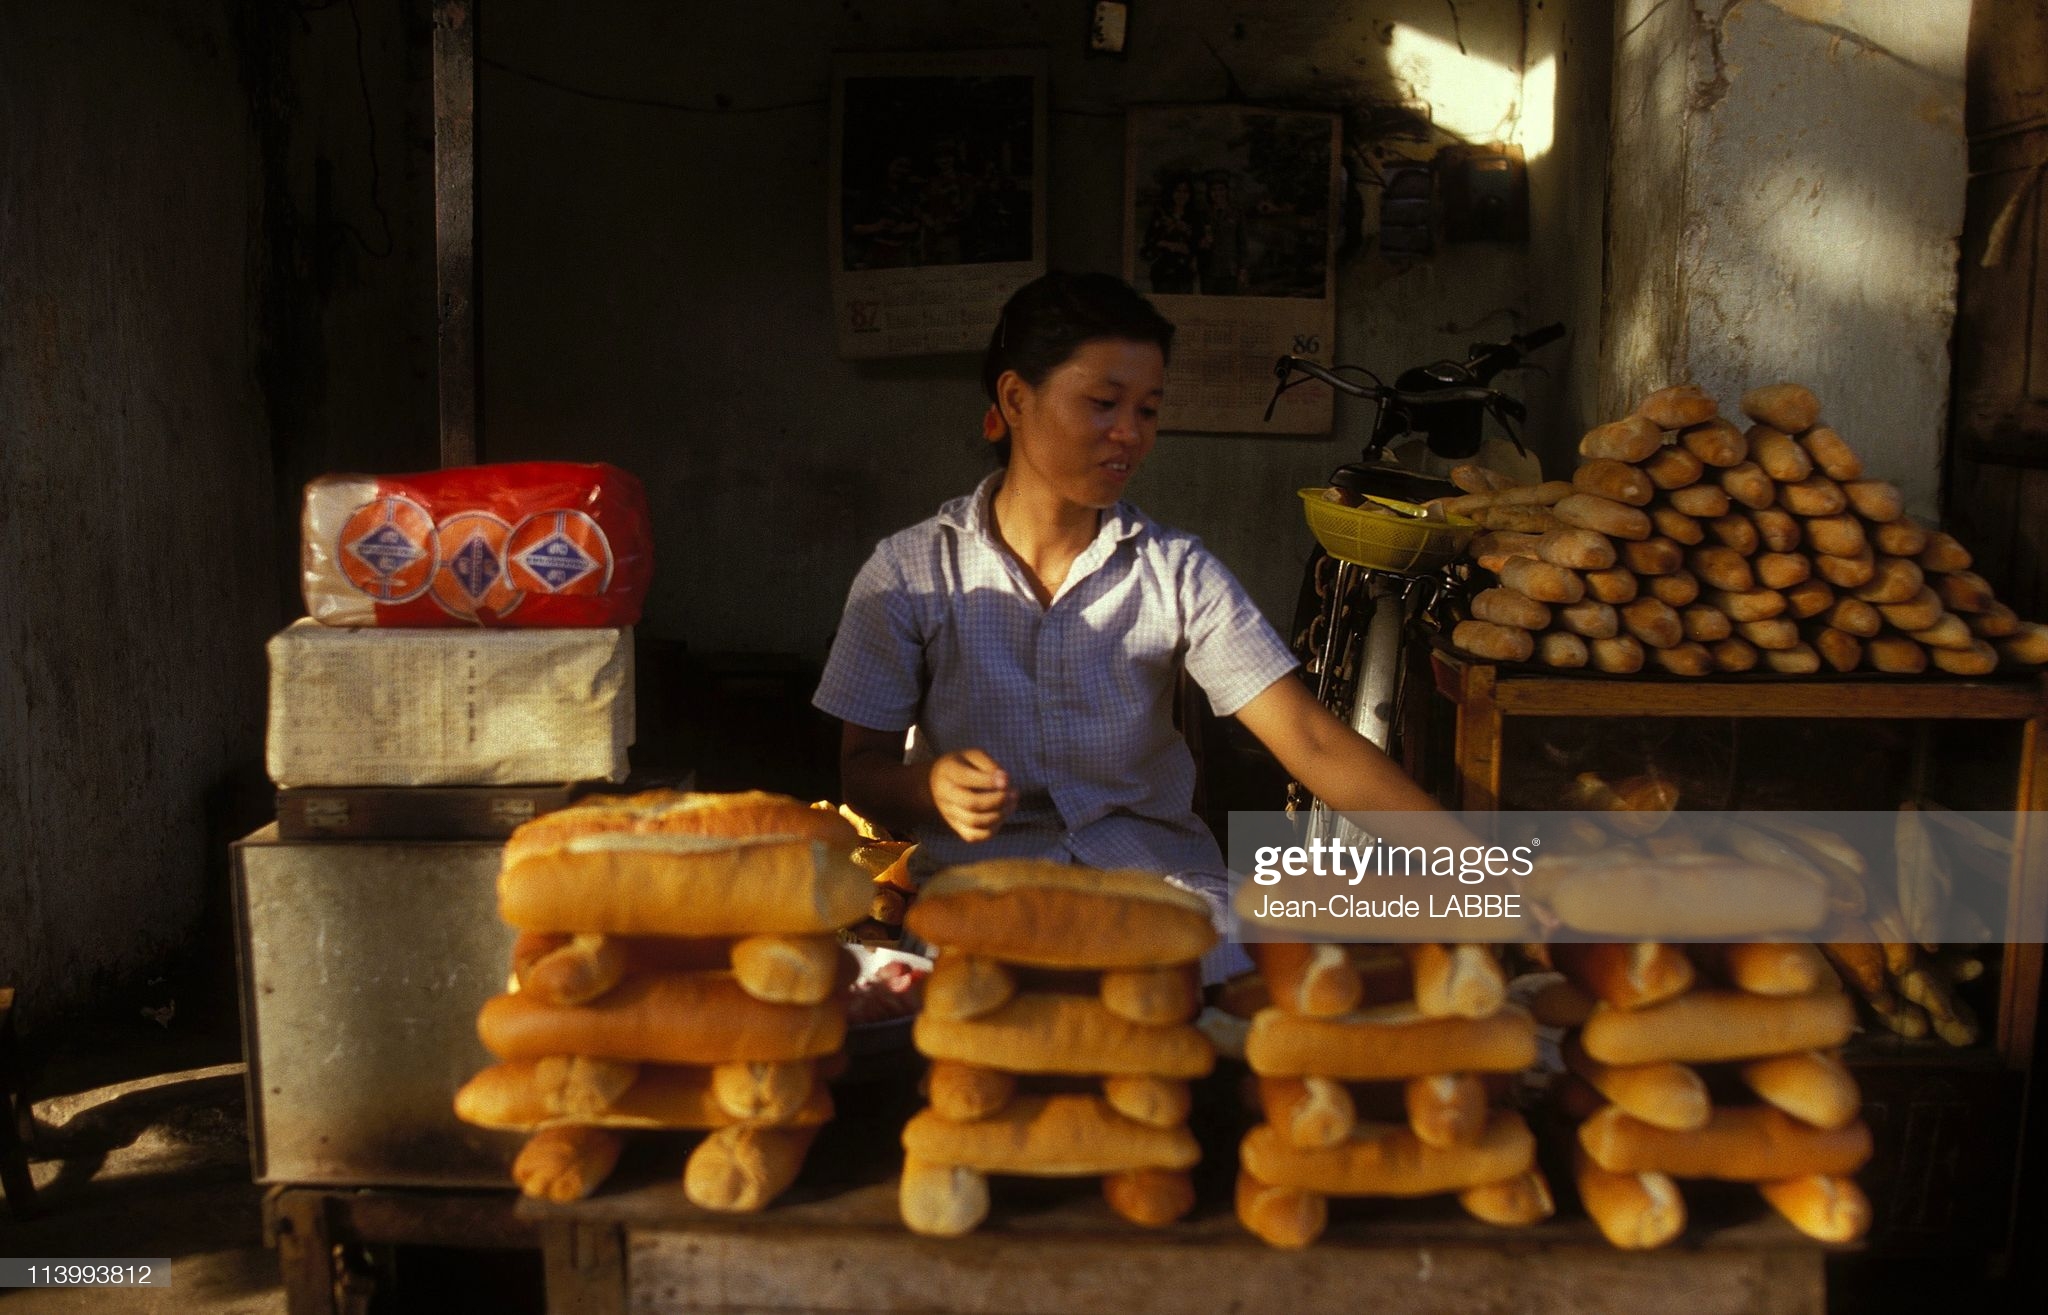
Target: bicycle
column 1385, row 563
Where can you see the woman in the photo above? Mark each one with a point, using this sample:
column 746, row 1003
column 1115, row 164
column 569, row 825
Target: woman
column 1169, row 246
column 1033, row 631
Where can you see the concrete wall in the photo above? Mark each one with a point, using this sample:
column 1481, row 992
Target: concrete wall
column 1788, row 192
column 135, row 491
column 655, row 283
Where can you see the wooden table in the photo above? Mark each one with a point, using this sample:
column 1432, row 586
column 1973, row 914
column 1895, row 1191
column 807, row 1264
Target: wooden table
column 834, row 1243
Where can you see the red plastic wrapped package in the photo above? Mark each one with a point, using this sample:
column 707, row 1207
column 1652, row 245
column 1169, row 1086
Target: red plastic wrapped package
column 530, row 543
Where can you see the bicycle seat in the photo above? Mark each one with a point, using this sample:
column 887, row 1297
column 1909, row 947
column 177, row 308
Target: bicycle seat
column 1383, row 481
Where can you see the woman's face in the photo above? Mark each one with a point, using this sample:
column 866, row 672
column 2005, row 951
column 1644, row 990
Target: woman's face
column 1085, row 431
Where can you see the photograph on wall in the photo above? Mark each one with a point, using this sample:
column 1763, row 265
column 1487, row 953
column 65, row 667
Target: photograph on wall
column 1230, row 226
column 937, row 204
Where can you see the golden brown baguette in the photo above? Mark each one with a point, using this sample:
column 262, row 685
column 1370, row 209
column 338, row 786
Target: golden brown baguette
column 1634, row 1211
column 514, row 1095
column 678, row 1018
column 1744, row 1144
column 747, row 815
column 566, row 1163
column 1046, row 1033
column 1283, row 1217
column 1155, row 1102
column 1836, row 459
column 1389, row 1045
column 1542, row 581
column 966, row 986
column 1631, row 439
column 1309, row 1112
column 1055, row 915
column 1495, row 643
column 1810, row 1086
column 1445, row 1109
column 1515, row 1202
column 792, row 970
column 1787, row 406
column 1625, row 974
column 1318, row 980
column 1050, row 1136
column 578, row 969
column 742, row 1169
column 1826, row 1209
column 966, row 1092
column 1456, row 981
column 762, row 1093
column 1617, row 481
column 1678, row 406
column 1154, row 996
column 1149, row 1198
column 1703, row 1027
column 1387, row 1160
column 1766, row 967
column 1664, row 1095
column 941, row 1200
column 1673, row 467
column 678, row 885
column 1578, row 550
column 1716, row 442
column 1505, row 607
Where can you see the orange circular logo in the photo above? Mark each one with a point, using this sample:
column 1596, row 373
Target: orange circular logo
column 559, row 552
column 388, row 549
column 471, row 582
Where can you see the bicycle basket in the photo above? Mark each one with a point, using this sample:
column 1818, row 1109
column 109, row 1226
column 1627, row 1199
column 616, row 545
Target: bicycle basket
column 1386, row 535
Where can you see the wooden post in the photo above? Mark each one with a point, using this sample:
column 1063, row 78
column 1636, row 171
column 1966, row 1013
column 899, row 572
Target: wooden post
column 455, row 225
column 1479, row 736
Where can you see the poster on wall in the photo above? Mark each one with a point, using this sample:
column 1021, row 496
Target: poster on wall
column 937, row 207
column 1230, row 227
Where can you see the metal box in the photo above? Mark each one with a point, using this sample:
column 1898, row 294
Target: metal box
column 363, row 965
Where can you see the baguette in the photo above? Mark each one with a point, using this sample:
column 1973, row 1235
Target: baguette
column 1809, row 598
column 749, row 815
column 1676, row 526
column 1918, row 612
column 1678, row 406
column 1495, row 643
column 518, row 1095
column 1904, row 537
column 1653, row 621
column 1747, row 484
column 540, row 1092
column 1631, row 439
column 1781, row 456
column 1704, row 1027
column 1617, row 520
column 1044, row 1033
column 1058, row 1136
column 1310, row 1112
column 679, row 1018
column 1716, row 442
column 1518, row 518
column 1875, row 499
column 964, row 986
column 1543, row 581
column 1735, row 530
column 1621, row 655
column 1613, row 586
column 1153, row 996
column 792, row 970
column 1707, row 895
column 1797, row 660
column 1505, row 607
column 1383, row 1161
column 941, row 1200
column 1577, row 550
column 1773, row 635
column 1810, row 1086
column 1624, row 975
column 566, row 1163
column 1842, row 651
column 1445, row 1109
column 1673, row 467
column 1706, row 624
column 1744, row 1144
column 1684, row 659
column 1816, row 495
column 1456, row 981
column 1652, row 556
column 578, row 970
column 1826, row 1208
column 1154, row 1102
column 1283, row 1217
column 966, row 1092
column 1564, row 650
column 1474, row 478
column 1512, row 495
column 1855, row 617
column 741, row 1170
column 1677, row 589
column 1055, row 915
column 1979, row 659
column 1995, row 622
column 1358, row 1048
column 1591, row 619
column 762, row 1093
column 1633, row 1211
column 1895, row 655
column 679, row 885
column 1944, row 552
column 1702, row 502
column 1149, row 1198
column 1836, row 459
column 1783, row 570
column 1511, row 1203
column 1318, row 980
column 1846, row 572
column 1790, row 407
column 1766, row 967
column 1948, row 633
column 1777, row 528
column 1964, row 591
column 1734, row 655
column 1665, row 1095
column 1721, row 568
column 2027, row 646
column 1616, row 481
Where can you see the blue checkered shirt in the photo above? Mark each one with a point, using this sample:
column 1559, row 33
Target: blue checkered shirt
column 943, row 631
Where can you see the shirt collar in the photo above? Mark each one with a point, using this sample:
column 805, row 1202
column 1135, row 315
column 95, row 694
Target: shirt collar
column 970, row 514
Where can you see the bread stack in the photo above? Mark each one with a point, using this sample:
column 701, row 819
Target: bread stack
column 677, row 967
column 1685, row 544
column 1371, row 1078
column 1057, row 1022
column 1712, row 1061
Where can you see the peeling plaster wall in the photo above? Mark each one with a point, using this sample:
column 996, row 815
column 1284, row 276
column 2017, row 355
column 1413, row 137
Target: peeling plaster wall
column 1819, row 190
column 135, row 490
column 655, row 289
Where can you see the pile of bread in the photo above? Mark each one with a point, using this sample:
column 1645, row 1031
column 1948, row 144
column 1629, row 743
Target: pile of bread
column 677, row 967
column 1058, row 1025
column 1688, row 545
column 1715, row 1061
column 1374, row 1069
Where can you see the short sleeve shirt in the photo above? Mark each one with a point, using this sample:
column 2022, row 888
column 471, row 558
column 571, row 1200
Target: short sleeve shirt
column 1074, row 700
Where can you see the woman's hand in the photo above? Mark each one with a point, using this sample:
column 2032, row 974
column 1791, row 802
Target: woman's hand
column 972, row 793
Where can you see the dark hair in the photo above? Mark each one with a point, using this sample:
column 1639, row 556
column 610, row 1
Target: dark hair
column 1048, row 319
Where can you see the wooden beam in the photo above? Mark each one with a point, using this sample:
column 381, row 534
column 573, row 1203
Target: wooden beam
column 455, row 225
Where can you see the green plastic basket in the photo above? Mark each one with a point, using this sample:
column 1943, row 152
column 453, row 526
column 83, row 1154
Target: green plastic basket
column 1386, row 534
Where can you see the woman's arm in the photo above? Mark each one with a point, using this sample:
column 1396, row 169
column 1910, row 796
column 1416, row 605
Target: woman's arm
column 967, row 790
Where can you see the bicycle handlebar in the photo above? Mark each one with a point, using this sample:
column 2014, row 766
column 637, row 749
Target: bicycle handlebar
column 1286, row 367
